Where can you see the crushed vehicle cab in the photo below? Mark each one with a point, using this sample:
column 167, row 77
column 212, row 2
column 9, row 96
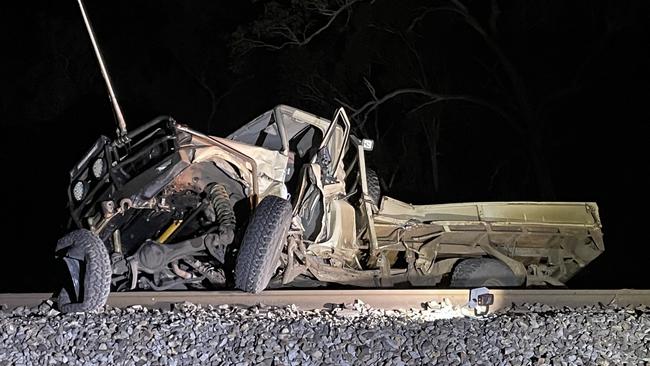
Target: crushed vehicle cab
column 287, row 200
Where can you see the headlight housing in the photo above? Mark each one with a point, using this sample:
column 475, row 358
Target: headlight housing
column 98, row 168
column 79, row 190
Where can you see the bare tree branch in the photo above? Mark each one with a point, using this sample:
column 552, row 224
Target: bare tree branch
column 422, row 78
column 370, row 106
column 474, row 100
column 414, row 23
column 495, row 12
column 218, row 100
column 290, row 37
column 432, row 135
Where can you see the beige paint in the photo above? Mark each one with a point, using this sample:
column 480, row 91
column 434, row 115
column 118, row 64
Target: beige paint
column 541, row 213
column 546, row 242
column 271, row 165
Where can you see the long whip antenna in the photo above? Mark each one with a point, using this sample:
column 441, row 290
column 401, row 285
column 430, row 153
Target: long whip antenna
column 121, row 124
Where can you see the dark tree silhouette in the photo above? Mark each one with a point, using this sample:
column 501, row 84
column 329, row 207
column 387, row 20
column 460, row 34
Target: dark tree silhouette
column 388, row 74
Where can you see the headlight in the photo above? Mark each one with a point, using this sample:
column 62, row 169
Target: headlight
column 99, row 168
column 78, row 190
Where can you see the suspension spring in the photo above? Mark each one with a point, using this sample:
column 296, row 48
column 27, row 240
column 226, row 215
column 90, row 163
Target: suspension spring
column 225, row 215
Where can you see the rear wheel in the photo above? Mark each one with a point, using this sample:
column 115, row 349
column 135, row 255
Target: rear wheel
column 262, row 244
column 89, row 272
column 478, row 272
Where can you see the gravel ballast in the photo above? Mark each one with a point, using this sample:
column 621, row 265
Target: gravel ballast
column 353, row 334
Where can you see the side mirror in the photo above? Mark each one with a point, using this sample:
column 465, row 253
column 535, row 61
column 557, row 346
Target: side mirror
column 368, row 144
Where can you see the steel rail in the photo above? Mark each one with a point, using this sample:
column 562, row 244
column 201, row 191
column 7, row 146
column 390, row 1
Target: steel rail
column 383, row 299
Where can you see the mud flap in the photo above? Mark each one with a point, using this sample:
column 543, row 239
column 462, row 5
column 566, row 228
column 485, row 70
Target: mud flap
column 74, row 267
column 72, row 255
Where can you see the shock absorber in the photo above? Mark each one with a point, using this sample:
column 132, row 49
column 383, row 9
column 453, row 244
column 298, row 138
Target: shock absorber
column 225, row 216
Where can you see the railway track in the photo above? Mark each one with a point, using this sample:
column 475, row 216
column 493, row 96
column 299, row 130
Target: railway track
column 383, row 299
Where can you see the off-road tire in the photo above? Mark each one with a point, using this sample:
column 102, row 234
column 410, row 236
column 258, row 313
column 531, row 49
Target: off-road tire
column 97, row 279
column 479, row 272
column 374, row 188
column 262, row 244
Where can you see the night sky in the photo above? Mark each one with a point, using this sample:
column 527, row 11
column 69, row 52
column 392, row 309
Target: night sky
column 494, row 100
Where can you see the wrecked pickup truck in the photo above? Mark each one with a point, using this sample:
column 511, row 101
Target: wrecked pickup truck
column 287, row 200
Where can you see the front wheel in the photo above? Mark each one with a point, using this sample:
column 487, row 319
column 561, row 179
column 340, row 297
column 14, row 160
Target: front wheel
column 262, row 244
column 89, row 272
